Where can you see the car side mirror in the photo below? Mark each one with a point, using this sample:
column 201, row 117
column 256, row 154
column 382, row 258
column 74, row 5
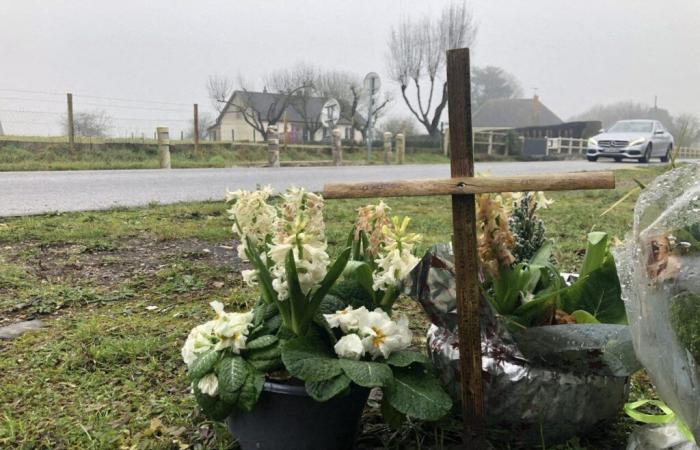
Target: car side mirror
column 659, row 132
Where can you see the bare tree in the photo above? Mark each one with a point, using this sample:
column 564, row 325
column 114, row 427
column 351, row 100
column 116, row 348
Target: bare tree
column 299, row 84
column 416, row 59
column 219, row 88
column 95, row 123
column 260, row 112
column 346, row 87
column 205, row 121
column 406, row 125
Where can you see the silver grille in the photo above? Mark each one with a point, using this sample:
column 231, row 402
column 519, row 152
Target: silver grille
column 615, row 144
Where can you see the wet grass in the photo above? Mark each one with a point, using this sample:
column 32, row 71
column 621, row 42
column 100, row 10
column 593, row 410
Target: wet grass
column 119, row 290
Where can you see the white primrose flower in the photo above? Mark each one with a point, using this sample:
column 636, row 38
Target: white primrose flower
column 381, row 336
column 200, row 339
column 349, row 347
column 253, row 217
column 209, row 385
column 348, row 319
column 231, row 329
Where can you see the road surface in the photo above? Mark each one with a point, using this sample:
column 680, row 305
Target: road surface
column 25, row 193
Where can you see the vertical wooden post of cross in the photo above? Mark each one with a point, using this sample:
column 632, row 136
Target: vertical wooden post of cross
column 464, row 244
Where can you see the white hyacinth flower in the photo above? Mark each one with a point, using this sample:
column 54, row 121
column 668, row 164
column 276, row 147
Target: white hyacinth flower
column 209, row 385
column 253, row 217
column 349, row 347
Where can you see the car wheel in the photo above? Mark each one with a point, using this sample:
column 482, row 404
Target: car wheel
column 647, row 155
column 592, row 158
column 618, row 158
column 667, row 156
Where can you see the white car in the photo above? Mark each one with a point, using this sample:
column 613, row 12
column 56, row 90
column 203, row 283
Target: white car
column 636, row 139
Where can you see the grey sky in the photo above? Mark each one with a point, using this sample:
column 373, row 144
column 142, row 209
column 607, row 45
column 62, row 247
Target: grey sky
column 576, row 52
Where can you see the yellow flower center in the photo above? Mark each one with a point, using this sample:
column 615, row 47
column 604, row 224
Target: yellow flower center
column 378, row 338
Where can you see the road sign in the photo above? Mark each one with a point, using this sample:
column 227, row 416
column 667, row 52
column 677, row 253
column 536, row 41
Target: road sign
column 330, row 113
column 372, row 84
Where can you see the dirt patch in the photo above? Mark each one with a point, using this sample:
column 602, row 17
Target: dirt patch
column 110, row 266
column 60, row 275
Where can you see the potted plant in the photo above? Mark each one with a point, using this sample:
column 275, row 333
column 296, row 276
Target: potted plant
column 296, row 370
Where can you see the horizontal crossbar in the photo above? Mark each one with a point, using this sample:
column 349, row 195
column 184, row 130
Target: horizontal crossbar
column 473, row 185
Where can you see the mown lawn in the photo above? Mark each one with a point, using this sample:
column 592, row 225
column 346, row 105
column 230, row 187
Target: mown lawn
column 119, row 290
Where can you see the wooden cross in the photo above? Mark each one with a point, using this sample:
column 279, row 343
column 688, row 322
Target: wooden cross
column 463, row 186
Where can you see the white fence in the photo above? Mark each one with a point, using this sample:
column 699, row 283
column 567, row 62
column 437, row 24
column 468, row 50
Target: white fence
column 566, row 145
column 688, row 153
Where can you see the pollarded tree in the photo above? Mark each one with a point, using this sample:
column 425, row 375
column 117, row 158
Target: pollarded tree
column 416, row 59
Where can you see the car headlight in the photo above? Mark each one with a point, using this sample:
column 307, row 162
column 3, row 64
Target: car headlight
column 637, row 142
column 592, row 142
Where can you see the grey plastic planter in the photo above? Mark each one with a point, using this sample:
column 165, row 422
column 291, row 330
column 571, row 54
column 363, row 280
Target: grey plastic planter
column 286, row 418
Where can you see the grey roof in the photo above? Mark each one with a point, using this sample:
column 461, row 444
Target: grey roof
column 297, row 110
column 514, row 113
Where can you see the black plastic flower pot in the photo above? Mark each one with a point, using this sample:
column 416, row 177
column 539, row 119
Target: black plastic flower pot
column 286, row 418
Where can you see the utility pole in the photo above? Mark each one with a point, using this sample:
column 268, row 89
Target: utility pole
column 71, row 128
column 196, row 129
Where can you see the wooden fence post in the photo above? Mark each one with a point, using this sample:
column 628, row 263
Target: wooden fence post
column 489, row 150
column 388, row 155
column 400, row 147
column 71, row 127
column 163, row 147
column 196, row 129
column 337, row 148
column 273, row 147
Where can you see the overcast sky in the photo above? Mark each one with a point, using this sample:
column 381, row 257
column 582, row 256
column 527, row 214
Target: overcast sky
column 575, row 52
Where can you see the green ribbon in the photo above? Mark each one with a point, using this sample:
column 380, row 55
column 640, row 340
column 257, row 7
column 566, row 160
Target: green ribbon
column 667, row 416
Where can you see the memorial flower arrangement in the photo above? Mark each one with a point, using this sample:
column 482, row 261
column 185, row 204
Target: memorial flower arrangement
column 302, row 330
column 522, row 281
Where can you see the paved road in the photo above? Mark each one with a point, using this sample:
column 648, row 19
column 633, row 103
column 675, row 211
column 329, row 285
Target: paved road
column 24, row 193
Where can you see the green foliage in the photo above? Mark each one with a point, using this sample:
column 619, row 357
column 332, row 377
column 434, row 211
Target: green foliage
column 405, row 358
column 308, row 359
column 233, row 372
column 597, row 291
column 527, row 229
column 417, row 393
column 203, row 364
column 685, row 310
column 322, row 391
column 367, row 373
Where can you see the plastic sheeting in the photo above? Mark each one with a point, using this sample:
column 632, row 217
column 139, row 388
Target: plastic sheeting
column 659, row 267
column 544, row 383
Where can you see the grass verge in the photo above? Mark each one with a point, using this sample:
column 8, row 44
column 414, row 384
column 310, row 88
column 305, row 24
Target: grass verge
column 119, row 290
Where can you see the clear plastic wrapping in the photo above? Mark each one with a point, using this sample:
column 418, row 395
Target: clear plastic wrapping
column 659, row 266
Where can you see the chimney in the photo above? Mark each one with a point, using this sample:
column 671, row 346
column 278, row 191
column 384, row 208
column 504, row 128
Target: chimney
column 536, row 110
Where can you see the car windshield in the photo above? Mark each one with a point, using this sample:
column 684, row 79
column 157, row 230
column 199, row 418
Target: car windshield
column 635, row 127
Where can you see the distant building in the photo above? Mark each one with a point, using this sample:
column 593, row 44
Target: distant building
column 302, row 117
column 530, row 118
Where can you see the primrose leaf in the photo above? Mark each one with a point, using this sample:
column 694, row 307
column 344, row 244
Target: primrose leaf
column 232, row 375
column 203, row 364
column 367, row 373
column 309, row 359
column 322, row 391
column 261, row 342
column 405, row 358
column 417, row 394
